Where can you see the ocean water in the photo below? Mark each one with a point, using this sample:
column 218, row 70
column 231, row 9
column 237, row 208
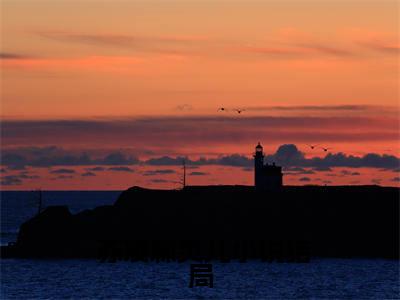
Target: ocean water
column 60, row 279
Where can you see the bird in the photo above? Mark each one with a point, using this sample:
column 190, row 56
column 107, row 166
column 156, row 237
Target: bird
column 222, row 109
column 325, row 149
column 312, row 146
column 239, row 110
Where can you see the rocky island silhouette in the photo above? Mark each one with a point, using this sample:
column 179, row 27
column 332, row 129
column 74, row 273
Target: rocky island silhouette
column 267, row 221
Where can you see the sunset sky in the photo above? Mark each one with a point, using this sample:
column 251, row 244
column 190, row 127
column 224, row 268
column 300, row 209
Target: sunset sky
column 111, row 94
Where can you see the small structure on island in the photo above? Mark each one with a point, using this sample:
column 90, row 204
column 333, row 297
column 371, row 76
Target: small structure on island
column 266, row 176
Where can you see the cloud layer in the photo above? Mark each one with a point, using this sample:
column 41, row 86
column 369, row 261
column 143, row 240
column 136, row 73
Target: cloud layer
column 287, row 155
column 177, row 131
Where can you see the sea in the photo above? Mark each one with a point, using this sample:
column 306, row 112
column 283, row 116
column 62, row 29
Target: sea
column 91, row 279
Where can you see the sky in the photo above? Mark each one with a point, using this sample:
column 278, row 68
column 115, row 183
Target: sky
column 111, row 94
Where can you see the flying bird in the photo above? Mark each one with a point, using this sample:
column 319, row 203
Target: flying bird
column 222, row 109
column 239, row 110
column 325, row 149
column 312, row 146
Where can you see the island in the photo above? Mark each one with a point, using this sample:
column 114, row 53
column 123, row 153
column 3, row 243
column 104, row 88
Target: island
column 291, row 223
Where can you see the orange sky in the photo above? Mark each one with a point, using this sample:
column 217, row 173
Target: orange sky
column 85, row 61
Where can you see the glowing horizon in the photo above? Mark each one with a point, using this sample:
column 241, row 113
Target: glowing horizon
column 147, row 78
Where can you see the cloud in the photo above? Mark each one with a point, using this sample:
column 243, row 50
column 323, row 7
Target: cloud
column 158, row 172
column 381, row 46
column 14, row 56
column 88, row 174
column 121, row 169
column 10, row 180
column 307, row 179
column 158, row 44
column 21, row 157
column 395, row 179
column 156, row 132
column 349, row 173
column 3, row 170
column 184, row 107
column 314, row 108
column 376, row 181
column 117, row 158
column 26, row 176
column 303, row 50
column 197, row 173
column 63, row 171
column 322, row 169
column 95, row 169
column 167, row 161
column 287, row 155
column 159, row 181
column 17, row 179
column 297, row 171
column 325, row 49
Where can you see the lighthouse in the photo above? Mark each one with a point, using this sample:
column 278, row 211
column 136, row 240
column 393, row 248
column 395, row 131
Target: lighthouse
column 266, row 176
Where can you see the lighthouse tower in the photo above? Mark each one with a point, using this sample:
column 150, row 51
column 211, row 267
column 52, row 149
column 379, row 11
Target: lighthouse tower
column 258, row 165
column 266, row 177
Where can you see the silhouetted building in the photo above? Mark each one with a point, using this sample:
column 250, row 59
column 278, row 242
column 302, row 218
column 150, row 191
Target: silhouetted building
column 266, row 177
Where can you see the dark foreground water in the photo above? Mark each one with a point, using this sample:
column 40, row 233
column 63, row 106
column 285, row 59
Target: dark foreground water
column 327, row 278
column 39, row 279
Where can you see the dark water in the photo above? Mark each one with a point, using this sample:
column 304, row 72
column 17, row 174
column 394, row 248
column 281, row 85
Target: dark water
column 39, row 279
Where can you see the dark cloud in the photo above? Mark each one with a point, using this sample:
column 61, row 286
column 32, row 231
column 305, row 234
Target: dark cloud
column 322, row 169
column 168, row 161
column 326, row 182
column 158, row 172
column 349, row 173
column 297, row 171
column 62, row 171
column 395, row 179
column 305, row 179
column 9, row 55
column 197, row 173
column 117, row 158
column 159, row 181
column 26, row 176
column 10, row 180
column 3, row 170
column 121, row 169
column 18, row 158
column 248, row 169
column 178, row 132
column 17, row 179
column 287, row 155
column 88, row 174
column 235, row 160
column 95, row 169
